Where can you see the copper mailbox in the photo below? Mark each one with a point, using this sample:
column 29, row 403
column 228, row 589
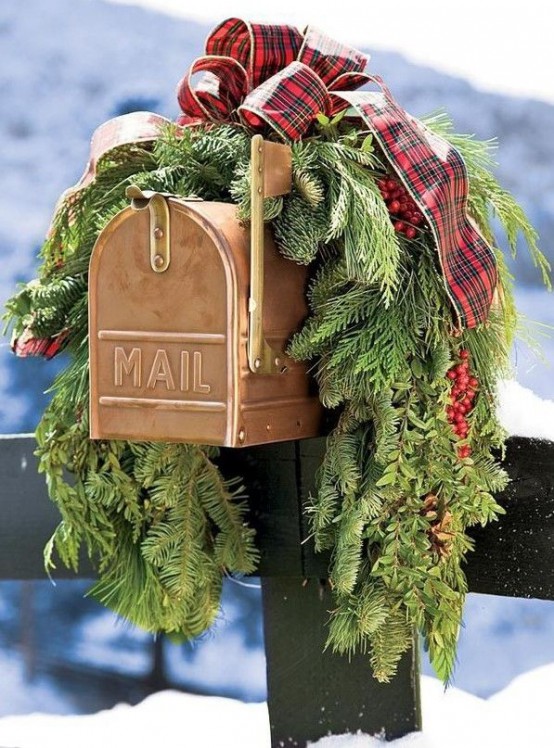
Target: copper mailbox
column 189, row 314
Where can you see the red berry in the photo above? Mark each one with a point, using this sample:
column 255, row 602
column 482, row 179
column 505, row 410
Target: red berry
column 451, row 374
column 411, row 233
column 399, row 226
column 473, row 382
column 467, row 401
column 403, row 207
column 450, row 412
column 462, row 407
column 385, row 195
column 394, row 206
column 461, row 369
column 464, row 354
column 391, row 185
column 382, row 184
column 463, row 381
column 459, row 417
column 470, row 394
column 417, row 218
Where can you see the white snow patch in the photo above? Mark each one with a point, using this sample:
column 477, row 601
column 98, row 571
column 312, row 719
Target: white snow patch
column 168, row 719
column 18, row 696
column 524, row 413
column 521, row 715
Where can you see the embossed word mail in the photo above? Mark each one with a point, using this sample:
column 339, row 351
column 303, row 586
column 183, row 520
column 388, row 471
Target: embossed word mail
column 149, row 368
column 185, row 376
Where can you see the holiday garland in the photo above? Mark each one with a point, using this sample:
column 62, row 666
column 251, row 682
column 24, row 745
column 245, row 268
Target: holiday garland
column 413, row 460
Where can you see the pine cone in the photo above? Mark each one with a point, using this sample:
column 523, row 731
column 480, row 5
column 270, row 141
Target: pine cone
column 439, row 533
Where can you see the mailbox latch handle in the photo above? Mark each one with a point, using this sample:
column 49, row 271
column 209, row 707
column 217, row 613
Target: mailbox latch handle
column 160, row 254
column 271, row 175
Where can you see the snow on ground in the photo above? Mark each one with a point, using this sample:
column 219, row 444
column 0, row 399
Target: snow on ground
column 24, row 696
column 521, row 715
column 524, row 413
column 494, row 626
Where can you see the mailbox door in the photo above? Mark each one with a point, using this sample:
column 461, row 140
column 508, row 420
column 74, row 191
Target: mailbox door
column 160, row 342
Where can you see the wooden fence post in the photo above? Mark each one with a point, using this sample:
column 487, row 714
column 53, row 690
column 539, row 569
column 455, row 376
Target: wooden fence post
column 311, row 693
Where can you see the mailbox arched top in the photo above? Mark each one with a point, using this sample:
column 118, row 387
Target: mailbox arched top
column 217, row 220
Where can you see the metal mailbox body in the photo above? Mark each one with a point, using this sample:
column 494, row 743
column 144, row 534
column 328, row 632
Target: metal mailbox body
column 168, row 350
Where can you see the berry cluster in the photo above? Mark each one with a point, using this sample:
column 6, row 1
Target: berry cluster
column 462, row 395
column 403, row 211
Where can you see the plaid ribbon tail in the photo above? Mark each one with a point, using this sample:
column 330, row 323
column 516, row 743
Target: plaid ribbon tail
column 27, row 346
column 435, row 175
column 116, row 133
column 288, row 102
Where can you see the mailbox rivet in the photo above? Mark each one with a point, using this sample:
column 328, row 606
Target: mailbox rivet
column 260, row 190
column 242, row 435
column 158, row 261
column 257, row 363
column 158, row 233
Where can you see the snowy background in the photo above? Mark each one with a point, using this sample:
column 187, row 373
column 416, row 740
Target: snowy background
column 65, row 67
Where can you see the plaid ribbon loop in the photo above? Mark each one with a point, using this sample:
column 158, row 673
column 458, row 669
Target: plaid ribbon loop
column 268, row 75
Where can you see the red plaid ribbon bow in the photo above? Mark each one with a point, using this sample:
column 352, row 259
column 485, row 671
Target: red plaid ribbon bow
column 262, row 75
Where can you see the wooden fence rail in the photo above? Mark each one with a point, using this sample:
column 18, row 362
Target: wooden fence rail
column 311, row 693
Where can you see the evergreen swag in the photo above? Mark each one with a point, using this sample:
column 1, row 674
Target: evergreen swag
column 397, row 491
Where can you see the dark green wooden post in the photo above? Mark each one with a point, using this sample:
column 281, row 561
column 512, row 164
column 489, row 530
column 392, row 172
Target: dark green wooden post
column 311, row 693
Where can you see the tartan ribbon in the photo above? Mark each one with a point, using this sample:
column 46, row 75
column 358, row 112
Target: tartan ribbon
column 26, row 345
column 117, row 134
column 261, row 75
column 435, row 175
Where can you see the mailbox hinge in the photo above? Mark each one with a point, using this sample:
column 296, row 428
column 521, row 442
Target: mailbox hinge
column 271, row 175
column 156, row 202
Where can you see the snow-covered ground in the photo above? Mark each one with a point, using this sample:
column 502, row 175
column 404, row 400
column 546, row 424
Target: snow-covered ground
column 523, row 413
column 25, row 697
column 520, row 716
